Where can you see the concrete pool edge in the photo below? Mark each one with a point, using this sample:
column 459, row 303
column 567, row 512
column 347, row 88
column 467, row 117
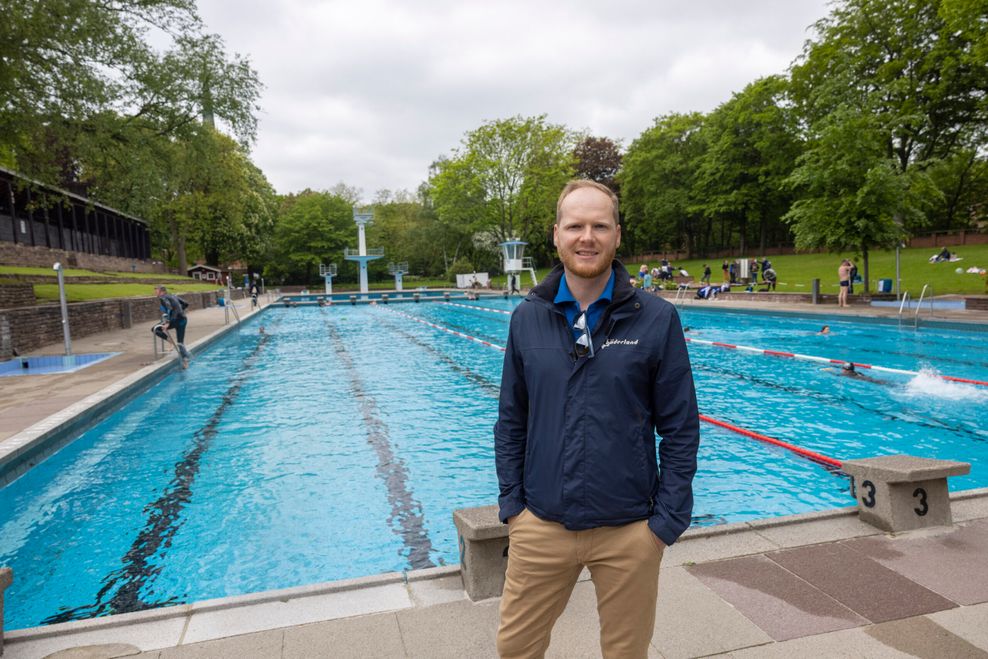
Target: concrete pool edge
column 23, row 450
column 257, row 612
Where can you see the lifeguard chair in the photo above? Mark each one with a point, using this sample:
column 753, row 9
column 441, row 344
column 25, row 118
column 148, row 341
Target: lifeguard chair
column 515, row 262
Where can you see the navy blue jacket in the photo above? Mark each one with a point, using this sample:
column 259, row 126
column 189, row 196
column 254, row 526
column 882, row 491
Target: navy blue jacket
column 575, row 437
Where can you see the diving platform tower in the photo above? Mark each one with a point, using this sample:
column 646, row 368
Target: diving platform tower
column 362, row 255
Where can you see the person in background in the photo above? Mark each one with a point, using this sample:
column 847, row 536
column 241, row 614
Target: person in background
column 642, row 271
column 647, row 282
column 173, row 317
column 593, row 369
column 843, row 276
column 706, row 274
column 725, row 266
column 753, row 267
column 852, row 275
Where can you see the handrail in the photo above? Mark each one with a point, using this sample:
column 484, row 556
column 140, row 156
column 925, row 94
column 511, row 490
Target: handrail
column 905, row 296
column 919, row 305
column 226, row 315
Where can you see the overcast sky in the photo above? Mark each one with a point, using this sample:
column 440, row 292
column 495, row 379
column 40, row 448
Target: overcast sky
column 370, row 92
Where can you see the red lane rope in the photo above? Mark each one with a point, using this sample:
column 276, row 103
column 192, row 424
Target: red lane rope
column 806, row 453
column 828, row 360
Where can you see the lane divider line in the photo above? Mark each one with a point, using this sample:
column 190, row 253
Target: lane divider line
column 773, row 353
column 826, row 360
column 798, row 450
column 445, row 329
column 476, row 308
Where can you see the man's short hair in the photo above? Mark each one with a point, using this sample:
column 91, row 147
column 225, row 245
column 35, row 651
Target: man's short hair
column 576, row 184
column 161, row 287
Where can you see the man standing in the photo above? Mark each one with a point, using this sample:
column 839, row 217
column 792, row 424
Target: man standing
column 844, row 277
column 592, row 370
column 173, row 312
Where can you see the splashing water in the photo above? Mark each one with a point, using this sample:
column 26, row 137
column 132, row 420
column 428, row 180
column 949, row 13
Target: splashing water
column 929, row 384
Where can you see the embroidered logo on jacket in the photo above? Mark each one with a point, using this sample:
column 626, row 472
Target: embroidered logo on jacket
column 619, row 342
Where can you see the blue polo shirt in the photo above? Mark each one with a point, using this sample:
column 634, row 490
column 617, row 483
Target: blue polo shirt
column 571, row 307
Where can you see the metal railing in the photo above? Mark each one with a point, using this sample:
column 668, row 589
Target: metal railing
column 226, row 312
column 919, row 305
column 902, row 304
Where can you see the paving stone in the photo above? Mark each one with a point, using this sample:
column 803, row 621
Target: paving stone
column 105, row 651
column 780, row 603
column 264, row 645
column 437, row 591
column 454, row 630
column 922, row 637
column 859, row 583
column 365, row 637
column 965, row 510
column 685, row 607
column 211, row 624
column 844, row 644
column 146, row 636
column 968, row 622
column 814, row 532
column 577, row 632
column 713, row 548
column 954, row 564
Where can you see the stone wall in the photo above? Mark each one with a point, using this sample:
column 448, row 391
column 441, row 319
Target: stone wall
column 42, row 257
column 16, row 295
column 29, row 328
column 979, row 302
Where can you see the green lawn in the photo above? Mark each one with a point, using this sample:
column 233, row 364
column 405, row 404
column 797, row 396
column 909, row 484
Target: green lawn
column 70, row 272
column 84, row 292
column 797, row 271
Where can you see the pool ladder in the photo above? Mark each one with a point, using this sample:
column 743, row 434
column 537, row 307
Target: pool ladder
column 919, row 304
column 226, row 312
column 682, row 295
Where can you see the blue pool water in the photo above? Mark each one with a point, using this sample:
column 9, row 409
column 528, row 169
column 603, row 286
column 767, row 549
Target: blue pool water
column 46, row 364
column 337, row 444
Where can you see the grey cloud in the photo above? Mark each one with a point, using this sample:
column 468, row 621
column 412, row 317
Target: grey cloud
column 372, row 92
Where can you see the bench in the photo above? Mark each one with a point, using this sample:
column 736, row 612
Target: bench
column 901, row 492
column 6, row 578
column 483, row 541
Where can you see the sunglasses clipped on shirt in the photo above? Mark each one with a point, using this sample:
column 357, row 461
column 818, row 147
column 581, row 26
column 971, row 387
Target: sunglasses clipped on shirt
column 584, row 344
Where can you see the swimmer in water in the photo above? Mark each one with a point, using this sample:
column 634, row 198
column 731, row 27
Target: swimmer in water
column 824, row 330
column 848, row 370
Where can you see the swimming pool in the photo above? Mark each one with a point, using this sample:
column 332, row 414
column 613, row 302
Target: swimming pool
column 337, row 443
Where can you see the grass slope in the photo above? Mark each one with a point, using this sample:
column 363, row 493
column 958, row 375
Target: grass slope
column 797, row 271
column 69, row 272
column 85, row 292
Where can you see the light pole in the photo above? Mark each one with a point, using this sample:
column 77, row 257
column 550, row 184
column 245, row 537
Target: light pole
column 899, row 245
column 65, row 309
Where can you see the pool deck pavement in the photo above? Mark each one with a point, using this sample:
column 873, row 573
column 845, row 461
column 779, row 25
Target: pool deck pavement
column 819, row 584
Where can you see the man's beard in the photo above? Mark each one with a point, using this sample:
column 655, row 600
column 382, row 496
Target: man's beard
column 587, row 270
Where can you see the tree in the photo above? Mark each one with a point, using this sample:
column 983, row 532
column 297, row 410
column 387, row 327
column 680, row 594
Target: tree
column 311, row 228
column 598, row 159
column 853, row 194
column 503, row 182
column 80, row 76
column 751, row 148
column 658, row 185
column 908, row 74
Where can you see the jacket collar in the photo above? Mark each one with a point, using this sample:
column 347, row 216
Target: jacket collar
column 546, row 291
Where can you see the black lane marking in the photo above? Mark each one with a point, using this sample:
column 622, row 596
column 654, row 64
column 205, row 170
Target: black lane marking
column 163, row 522
column 406, row 520
column 484, row 383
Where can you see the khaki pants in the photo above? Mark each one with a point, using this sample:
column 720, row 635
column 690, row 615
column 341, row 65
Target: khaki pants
column 544, row 562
